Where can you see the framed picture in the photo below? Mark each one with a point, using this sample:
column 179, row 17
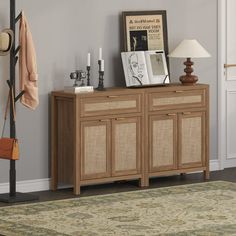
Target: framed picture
column 135, row 68
column 145, row 31
column 143, row 68
column 157, row 67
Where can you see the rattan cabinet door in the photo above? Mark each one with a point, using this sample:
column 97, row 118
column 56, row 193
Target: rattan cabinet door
column 126, row 146
column 162, row 142
column 95, row 149
column 191, row 137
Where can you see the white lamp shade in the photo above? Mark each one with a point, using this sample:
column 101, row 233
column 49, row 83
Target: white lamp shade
column 189, row 48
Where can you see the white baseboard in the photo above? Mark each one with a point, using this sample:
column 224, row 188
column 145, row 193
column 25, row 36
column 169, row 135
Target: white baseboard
column 27, row 186
column 229, row 163
column 44, row 184
column 214, row 165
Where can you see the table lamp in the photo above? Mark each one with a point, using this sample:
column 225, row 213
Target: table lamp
column 189, row 49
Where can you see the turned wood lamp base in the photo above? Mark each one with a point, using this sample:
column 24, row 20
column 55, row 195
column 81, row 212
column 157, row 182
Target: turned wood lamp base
column 188, row 79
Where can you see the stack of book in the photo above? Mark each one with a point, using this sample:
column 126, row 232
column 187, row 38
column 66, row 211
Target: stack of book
column 78, row 89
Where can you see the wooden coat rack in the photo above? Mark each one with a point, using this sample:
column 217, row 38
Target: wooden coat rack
column 14, row 196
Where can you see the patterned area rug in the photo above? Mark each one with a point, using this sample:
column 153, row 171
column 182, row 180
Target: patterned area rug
column 195, row 209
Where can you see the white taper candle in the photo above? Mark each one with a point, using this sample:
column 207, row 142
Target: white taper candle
column 88, row 59
column 102, row 65
column 100, row 54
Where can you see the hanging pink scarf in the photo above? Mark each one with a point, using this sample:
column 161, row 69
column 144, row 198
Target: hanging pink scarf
column 27, row 66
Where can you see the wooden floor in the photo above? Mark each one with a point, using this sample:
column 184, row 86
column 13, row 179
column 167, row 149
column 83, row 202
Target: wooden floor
column 226, row 175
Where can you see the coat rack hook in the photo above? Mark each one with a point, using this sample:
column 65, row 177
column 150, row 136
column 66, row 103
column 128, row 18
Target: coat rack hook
column 18, row 17
column 17, row 50
column 19, row 95
column 9, row 84
column 16, row 59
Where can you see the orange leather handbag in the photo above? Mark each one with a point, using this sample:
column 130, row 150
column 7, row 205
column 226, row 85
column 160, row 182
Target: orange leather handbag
column 9, row 148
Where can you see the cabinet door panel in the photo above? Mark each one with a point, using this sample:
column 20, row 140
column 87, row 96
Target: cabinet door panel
column 162, row 142
column 95, row 149
column 191, row 139
column 126, row 146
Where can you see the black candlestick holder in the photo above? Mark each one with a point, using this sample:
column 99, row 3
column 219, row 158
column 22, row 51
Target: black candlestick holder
column 101, row 78
column 88, row 75
column 100, row 83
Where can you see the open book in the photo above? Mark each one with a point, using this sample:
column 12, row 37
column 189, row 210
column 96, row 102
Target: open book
column 145, row 68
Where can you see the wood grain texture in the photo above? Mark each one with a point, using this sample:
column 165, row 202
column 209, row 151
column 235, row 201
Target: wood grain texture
column 207, row 137
column 76, row 138
column 177, row 171
column 146, row 140
column 122, row 134
column 54, row 145
column 110, row 179
column 143, row 182
column 66, row 145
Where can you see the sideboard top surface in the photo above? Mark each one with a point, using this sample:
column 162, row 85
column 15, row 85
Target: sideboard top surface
column 133, row 90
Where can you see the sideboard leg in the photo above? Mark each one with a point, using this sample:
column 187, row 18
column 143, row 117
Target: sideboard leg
column 147, row 182
column 53, row 185
column 77, row 190
column 143, row 182
column 206, row 174
column 54, row 178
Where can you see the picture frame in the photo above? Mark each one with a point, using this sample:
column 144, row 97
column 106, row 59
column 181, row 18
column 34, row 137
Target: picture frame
column 157, row 67
column 135, row 68
column 145, row 31
column 145, row 68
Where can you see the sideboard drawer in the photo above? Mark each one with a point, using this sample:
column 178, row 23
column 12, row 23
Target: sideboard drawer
column 113, row 104
column 177, row 99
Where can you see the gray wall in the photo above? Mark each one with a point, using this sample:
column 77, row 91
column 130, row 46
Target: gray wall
column 64, row 31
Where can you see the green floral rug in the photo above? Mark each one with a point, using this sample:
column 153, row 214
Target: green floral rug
column 195, row 209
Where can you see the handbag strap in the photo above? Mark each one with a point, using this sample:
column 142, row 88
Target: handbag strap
column 10, row 96
column 13, row 105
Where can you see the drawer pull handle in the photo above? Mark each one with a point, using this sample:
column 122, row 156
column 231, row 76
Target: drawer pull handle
column 171, row 114
column 112, row 96
column 186, row 113
column 103, row 120
column 120, row 118
column 179, row 91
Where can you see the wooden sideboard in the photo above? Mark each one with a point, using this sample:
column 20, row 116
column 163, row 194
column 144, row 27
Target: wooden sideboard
column 124, row 134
